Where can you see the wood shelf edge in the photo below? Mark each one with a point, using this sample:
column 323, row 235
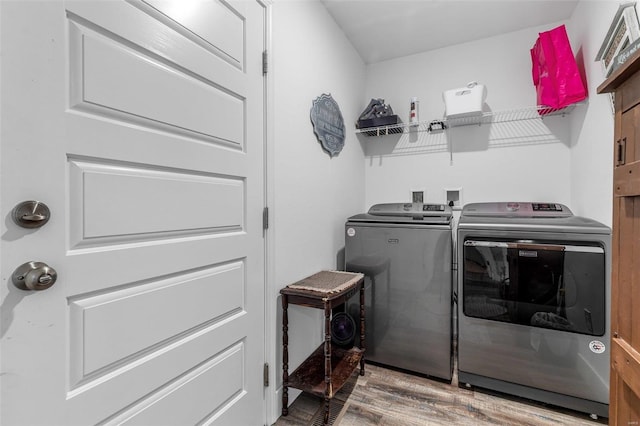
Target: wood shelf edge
column 309, row 376
column 621, row 75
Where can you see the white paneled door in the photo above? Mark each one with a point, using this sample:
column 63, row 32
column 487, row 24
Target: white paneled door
column 140, row 124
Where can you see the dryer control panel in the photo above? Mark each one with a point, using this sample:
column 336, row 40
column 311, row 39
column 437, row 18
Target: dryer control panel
column 517, row 209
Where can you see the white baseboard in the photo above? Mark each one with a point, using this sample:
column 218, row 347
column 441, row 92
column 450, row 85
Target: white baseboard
column 276, row 408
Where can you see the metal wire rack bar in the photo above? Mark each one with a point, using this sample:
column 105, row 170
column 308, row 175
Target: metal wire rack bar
column 519, row 114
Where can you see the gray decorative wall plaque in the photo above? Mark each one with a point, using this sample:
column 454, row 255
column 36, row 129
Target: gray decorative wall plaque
column 328, row 124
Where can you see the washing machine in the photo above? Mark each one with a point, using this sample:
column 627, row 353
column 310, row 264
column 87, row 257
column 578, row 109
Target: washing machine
column 533, row 303
column 405, row 251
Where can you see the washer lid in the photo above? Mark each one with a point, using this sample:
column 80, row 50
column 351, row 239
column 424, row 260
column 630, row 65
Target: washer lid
column 405, row 213
column 517, row 209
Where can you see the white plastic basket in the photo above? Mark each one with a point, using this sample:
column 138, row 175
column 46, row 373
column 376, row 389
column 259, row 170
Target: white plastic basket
column 465, row 101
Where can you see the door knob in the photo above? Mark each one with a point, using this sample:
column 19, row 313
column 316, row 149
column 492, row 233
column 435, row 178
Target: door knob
column 34, row 276
column 31, row 214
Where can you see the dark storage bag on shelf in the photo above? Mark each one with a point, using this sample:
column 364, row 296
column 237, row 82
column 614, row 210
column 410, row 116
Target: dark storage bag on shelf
column 377, row 113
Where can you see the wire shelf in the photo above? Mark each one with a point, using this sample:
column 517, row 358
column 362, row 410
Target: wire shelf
column 520, row 114
column 383, row 130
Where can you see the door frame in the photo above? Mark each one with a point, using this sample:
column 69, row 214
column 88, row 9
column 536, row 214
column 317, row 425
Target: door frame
column 271, row 401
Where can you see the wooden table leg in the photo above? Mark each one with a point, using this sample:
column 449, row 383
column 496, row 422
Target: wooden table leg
column 362, row 333
column 327, row 361
column 285, row 355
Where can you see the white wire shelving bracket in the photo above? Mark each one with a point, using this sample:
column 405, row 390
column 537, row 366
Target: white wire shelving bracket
column 519, row 114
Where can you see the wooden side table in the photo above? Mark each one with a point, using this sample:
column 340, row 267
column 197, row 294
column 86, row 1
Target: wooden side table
column 327, row 369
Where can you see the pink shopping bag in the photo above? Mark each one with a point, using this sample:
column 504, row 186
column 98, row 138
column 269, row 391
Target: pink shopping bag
column 554, row 70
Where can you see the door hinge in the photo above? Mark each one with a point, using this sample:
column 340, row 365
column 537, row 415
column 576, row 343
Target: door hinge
column 265, row 62
column 265, row 375
column 265, row 218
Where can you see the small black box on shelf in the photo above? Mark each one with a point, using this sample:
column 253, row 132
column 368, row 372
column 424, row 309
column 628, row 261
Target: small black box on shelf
column 377, row 121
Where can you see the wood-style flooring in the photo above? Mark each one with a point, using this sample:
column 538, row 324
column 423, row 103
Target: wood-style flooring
column 388, row 397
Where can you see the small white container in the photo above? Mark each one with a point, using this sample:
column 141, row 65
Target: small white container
column 465, row 101
column 413, row 111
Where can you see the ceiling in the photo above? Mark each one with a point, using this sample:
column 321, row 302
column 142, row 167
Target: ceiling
column 387, row 29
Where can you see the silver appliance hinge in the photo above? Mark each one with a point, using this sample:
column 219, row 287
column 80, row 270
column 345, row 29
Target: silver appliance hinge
column 265, row 218
column 265, row 62
column 265, row 374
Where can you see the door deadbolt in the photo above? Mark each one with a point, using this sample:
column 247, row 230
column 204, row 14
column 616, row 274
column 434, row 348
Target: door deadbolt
column 34, row 276
column 31, row 214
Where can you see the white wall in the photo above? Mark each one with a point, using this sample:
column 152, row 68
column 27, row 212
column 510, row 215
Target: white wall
column 314, row 193
column 513, row 161
column 568, row 160
column 592, row 131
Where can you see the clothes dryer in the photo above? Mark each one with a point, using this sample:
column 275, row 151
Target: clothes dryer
column 533, row 303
